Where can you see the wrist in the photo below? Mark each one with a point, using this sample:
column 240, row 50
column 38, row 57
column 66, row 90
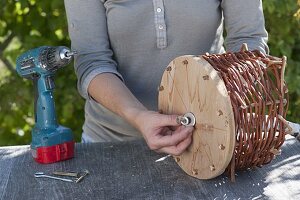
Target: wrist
column 134, row 115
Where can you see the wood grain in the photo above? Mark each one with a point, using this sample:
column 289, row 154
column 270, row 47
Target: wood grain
column 190, row 84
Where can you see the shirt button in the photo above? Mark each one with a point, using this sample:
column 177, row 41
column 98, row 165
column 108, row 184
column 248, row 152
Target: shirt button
column 160, row 27
column 158, row 10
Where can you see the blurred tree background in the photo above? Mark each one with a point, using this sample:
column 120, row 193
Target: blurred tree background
column 26, row 24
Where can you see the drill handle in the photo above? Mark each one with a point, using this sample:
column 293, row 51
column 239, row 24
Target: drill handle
column 36, row 96
column 44, row 103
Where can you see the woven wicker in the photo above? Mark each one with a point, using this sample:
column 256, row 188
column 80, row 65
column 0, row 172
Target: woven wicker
column 258, row 94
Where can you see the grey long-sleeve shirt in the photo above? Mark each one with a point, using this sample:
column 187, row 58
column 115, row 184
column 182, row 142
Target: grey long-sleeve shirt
column 136, row 39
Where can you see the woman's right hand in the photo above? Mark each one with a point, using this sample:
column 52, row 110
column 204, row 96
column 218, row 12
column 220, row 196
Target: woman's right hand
column 162, row 133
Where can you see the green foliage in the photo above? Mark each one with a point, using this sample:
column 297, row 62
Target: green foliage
column 283, row 25
column 26, row 24
column 33, row 23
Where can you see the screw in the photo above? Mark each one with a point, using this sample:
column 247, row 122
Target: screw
column 43, row 175
column 183, row 120
column 206, row 77
column 187, row 119
column 212, row 168
column 185, row 62
column 85, row 173
column 169, row 68
column 195, row 171
column 60, row 173
column 177, row 159
column 161, row 88
column 221, row 146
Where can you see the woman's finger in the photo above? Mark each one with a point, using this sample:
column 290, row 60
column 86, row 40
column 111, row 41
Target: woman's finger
column 174, row 137
column 167, row 120
column 177, row 149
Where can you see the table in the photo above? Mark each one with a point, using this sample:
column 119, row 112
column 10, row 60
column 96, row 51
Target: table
column 127, row 170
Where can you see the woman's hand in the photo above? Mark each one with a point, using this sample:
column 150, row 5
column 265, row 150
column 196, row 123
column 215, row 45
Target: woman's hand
column 162, row 133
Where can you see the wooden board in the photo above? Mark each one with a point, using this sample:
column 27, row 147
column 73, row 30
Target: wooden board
column 190, row 84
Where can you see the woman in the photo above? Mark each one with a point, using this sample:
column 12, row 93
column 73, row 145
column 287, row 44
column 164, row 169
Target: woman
column 124, row 47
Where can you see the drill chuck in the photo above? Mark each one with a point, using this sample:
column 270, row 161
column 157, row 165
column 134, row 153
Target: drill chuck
column 53, row 58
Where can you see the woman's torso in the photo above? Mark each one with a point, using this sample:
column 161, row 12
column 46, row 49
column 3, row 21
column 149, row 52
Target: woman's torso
column 146, row 35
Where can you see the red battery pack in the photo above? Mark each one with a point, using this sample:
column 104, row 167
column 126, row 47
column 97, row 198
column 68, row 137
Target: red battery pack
column 56, row 153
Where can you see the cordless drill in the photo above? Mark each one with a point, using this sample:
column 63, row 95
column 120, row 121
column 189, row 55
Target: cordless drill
column 51, row 142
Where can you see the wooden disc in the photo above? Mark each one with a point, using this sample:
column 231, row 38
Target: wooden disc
column 191, row 84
